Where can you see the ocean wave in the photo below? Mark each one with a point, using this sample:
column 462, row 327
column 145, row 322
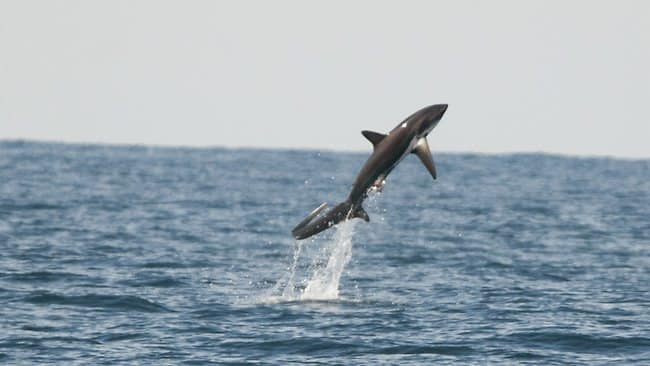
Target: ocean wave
column 581, row 343
column 427, row 349
column 41, row 276
column 106, row 302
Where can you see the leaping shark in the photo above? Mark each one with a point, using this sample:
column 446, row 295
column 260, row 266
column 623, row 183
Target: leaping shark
column 408, row 137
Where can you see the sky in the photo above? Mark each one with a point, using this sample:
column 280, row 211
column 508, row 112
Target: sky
column 569, row 77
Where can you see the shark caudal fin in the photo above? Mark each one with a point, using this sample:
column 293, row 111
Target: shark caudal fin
column 313, row 225
column 311, row 215
column 361, row 213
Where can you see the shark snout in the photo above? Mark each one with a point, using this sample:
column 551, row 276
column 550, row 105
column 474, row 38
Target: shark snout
column 430, row 118
column 435, row 112
column 440, row 109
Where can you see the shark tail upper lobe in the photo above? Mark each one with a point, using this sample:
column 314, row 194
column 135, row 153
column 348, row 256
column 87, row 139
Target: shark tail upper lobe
column 312, row 225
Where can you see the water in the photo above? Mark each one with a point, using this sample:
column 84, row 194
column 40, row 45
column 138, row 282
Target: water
column 139, row 255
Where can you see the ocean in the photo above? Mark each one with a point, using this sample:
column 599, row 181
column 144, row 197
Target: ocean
column 181, row 256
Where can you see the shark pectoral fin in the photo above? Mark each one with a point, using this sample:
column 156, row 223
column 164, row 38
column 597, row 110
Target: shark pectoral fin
column 423, row 152
column 374, row 137
column 361, row 213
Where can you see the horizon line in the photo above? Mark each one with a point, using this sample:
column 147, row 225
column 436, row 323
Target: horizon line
column 305, row 148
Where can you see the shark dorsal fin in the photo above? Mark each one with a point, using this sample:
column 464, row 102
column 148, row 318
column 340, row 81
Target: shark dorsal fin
column 374, row 137
column 423, row 152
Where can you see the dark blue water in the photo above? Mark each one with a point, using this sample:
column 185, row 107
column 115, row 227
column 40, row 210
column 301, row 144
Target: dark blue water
column 139, row 255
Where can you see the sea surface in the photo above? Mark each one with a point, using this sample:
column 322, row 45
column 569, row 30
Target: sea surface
column 142, row 255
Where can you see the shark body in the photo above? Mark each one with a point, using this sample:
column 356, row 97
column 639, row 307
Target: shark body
column 389, row 150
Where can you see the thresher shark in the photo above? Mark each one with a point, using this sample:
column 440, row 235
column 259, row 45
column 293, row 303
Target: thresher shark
column 408, row 137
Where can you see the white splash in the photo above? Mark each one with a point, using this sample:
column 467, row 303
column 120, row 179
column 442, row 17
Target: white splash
column 289, row 291
column 324, row 282
column 320, row 282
